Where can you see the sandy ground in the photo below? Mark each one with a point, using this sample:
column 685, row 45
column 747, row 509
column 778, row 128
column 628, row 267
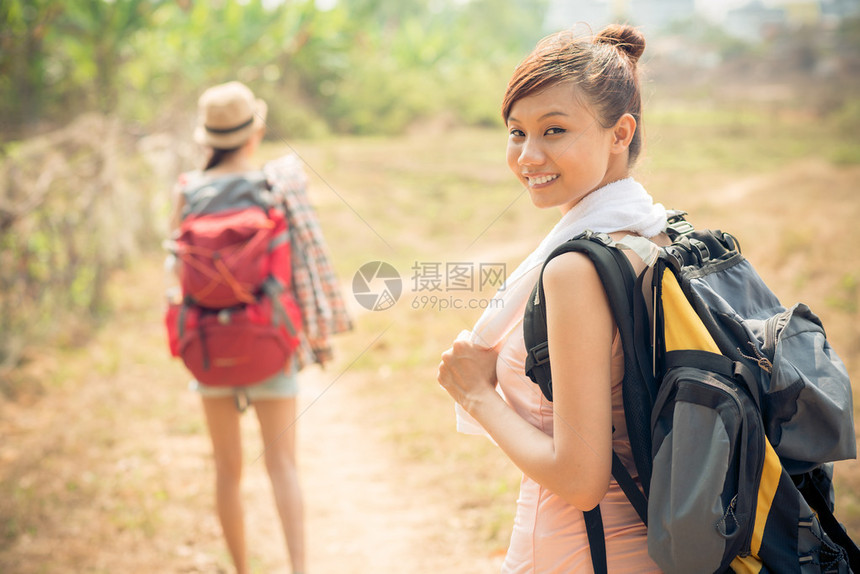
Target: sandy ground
column 107, row 469
column 104, row 457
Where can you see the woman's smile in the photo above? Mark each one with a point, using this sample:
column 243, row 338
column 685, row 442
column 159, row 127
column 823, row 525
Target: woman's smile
column 535, row 181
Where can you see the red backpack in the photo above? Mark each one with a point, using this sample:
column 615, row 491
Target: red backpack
column 238, row 322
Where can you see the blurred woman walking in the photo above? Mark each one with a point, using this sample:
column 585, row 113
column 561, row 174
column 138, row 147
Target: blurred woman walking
column 231, row 125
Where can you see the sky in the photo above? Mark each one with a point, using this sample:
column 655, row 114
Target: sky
column 716, row 9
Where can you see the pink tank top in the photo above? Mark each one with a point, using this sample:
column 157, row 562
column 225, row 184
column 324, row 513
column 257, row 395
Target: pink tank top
column 549, row 534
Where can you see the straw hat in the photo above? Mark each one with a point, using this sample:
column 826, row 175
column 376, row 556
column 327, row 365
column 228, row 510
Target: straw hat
column 228, row 114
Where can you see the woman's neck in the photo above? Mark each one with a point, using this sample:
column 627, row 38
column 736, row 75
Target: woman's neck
column 236, row 162
column 232, row 167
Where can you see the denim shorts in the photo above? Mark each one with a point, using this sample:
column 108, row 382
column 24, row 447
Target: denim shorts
column 283, row 385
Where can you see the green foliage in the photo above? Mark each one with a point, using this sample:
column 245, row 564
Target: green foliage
column 72, row 210
column 360, row 66
column 23, row 62
column 363, row 66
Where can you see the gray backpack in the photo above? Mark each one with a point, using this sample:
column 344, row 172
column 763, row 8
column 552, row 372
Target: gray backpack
column 735, row 406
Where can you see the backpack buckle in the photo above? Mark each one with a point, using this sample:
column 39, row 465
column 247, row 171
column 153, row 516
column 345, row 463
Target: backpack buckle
column 676, row 225
column 674, row 255
column 538, row 355
column 598, row 236
column 701, row 250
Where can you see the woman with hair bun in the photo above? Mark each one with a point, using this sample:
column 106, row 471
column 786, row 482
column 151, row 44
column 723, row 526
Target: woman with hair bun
column 573, row 113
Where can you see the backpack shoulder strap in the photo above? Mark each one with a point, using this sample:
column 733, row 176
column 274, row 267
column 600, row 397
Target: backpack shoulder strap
column 619, row 280
column 596, row 539
column 227, row 192
column 617, row 277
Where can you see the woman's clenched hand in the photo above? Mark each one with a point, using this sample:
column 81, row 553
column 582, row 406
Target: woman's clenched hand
column 467, row 371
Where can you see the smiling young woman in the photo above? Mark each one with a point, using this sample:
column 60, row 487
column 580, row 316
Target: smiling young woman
column 573, row 110
column 559, row 149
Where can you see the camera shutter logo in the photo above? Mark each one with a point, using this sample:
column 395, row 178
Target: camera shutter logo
column 377, row 286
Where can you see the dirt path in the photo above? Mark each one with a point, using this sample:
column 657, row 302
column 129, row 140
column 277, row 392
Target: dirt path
column 369, row 513
column 108, row 470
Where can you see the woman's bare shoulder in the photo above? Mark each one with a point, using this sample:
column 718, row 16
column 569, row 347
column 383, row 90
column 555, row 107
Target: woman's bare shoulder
column 567, row 270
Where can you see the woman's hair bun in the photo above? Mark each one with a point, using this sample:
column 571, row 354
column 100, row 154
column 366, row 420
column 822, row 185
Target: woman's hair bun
column 624, row 37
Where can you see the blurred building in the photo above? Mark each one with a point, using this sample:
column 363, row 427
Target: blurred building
column 652, row 16
column 833, row 11
column 749, row 20
column 754, row 20
column 656, row 15
column 570, row 13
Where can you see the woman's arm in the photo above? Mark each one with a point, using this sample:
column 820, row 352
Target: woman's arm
column 580, row 328
column 576, row 462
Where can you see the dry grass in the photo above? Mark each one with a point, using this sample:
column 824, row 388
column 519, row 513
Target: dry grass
column 72, row 478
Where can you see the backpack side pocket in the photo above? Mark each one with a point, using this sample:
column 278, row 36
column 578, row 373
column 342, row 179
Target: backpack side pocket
column 809, row 389
column 708, row 450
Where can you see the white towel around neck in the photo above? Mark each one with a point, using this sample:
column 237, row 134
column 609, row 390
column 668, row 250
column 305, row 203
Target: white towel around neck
column 623, row 205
